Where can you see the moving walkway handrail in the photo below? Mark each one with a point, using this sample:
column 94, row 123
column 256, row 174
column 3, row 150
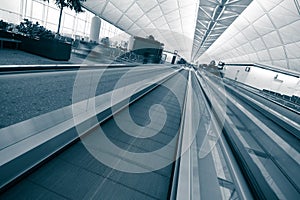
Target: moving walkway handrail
column 174, row 177
column 257, row 182
column 15, row 169
column 241, row 185
column 292, row 126
column 183, row 183
column 288, row 124
column 244, row 87
column 260, row 188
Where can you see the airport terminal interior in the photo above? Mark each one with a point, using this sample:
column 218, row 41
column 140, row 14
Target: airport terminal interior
column 150, row 99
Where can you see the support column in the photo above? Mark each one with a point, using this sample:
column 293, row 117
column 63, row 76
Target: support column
column 95, row 29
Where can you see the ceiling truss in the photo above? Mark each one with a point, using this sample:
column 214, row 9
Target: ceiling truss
column 214, row 17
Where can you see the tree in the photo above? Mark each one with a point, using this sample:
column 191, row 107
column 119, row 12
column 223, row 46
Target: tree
column 72, row 4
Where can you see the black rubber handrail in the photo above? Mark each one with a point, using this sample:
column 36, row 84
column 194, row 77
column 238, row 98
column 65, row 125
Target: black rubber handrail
column 257, row 183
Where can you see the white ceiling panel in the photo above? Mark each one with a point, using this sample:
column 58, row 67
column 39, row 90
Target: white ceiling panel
column 173, row 16
column 161, row 22
column 147, row 5
column 258, row 44
column 263, row 25
column 263, row 55
column 251, row 15
column 150, row 26
column 294, row 64
column 269, row 4
column 122, row 5
column 240, row 37
column 251, row 33
column 134, row 12
column 290, row 6
column 143, row 21
column 293, row 50
column 186, row 11
column 155, row 13
column 109, row 9
column 175, row 26
column 248, row 48
column 135, row 28
column 272, row 39
column 277, row 53
column 187, row 3
column 253, row 56
column 169, row 6
column 281, row 63
column 290, row 33
column 125, row 22
column 281, row 16
column 241, row 23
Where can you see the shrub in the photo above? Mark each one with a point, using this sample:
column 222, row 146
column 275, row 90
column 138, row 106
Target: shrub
column 34, row 30
column 3, row 25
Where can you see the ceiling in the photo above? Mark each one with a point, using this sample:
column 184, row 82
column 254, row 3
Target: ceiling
column 214, row 17
column 267, row 32
column 262, row 31
column 172, row 22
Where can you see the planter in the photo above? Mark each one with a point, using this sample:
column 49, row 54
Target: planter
column 52, row 49
column 6, row 34
column 48, row 48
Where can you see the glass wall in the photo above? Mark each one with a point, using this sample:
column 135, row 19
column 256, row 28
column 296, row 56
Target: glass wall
column 47, row 14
